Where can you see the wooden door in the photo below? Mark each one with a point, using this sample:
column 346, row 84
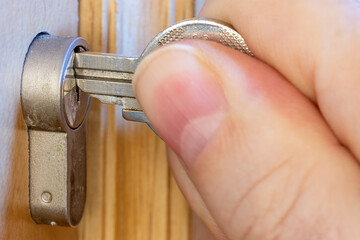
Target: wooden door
column 131, row 194
column 21, row 21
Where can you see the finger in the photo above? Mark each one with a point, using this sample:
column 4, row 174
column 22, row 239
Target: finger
column 314, row 44
column 257, row 151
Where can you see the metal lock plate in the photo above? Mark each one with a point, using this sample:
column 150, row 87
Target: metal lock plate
column 55, row 112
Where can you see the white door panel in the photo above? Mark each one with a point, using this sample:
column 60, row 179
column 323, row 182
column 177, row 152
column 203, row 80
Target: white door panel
column 21, row 21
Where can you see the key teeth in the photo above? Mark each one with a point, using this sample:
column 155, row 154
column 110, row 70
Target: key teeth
column 152, row 128
column 137, row 116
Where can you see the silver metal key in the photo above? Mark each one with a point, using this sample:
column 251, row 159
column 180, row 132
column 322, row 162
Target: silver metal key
column 108, row 77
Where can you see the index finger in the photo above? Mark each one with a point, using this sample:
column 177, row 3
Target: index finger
column 314, row 44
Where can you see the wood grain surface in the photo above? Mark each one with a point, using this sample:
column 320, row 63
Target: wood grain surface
column 94, row 29
column 131, row 193
column 21, row 21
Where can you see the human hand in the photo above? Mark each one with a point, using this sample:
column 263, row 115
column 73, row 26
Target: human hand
column 265, row 148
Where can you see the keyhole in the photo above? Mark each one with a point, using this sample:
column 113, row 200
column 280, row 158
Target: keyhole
column 77, row 89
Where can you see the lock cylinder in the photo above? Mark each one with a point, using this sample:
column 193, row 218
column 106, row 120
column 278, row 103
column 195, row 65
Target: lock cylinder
column 55, row 112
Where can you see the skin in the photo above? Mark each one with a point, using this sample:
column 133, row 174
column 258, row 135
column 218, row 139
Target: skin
column 265, row 148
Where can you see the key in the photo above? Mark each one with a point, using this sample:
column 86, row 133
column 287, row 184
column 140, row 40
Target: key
column 108, row 77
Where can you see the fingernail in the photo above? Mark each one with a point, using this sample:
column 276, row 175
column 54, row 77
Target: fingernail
column 182, row 97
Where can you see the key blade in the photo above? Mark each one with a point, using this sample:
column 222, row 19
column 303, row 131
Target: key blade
column 105, row 74
column 106, row 62
column 126, row 102
column 138, row 116
column 106, row 88
column 108, row 77
column 132, row 111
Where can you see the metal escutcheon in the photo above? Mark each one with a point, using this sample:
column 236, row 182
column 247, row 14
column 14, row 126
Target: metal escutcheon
column 55, row 111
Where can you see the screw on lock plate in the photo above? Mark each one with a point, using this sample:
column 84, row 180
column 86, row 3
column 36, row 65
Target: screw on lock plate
column 59, row 76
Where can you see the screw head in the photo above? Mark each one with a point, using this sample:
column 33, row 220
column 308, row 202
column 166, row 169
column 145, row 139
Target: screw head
column 52, row 223
column 46, row 197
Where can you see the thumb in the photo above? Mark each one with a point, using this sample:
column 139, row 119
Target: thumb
column 253, row 148
column 187, row 112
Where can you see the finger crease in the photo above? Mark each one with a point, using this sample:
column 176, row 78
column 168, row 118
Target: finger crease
column 295, row 200
column 253, row 186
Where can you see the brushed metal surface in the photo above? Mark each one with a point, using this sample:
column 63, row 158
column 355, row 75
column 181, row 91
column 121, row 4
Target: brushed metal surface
column 55, row 113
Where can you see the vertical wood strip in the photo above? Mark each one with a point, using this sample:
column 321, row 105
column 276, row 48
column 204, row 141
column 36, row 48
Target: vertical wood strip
column 179, row 214
column 110, row 177
column 142, row 168
column 184, row 9
column 143, row 188
column 110, row 164
column 93, row 28
column 91, row 226
column 92, row 24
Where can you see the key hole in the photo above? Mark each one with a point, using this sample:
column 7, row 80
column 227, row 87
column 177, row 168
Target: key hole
column 77, row 89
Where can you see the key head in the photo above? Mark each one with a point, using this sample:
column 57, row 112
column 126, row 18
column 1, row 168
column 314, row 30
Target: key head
column 199, row 28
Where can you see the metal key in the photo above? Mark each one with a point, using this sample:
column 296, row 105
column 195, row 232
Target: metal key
column 108, row 77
